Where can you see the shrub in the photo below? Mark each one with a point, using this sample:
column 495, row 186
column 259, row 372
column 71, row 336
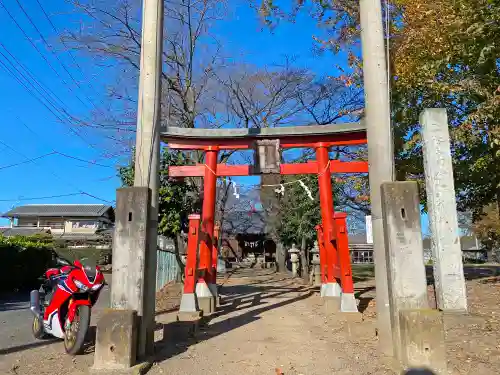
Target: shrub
column 23, row 260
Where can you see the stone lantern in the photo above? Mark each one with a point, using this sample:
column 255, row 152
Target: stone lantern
column 295, row 259
column 316, row 269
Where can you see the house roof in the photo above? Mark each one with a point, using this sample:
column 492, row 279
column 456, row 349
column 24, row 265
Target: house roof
column 22, row 231
column 56, row 210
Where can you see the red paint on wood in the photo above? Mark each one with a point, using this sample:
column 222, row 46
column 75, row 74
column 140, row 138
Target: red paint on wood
column 336, row 166
column 343, row 250
column 192, row 249
column 208, row 217
column 326, row 206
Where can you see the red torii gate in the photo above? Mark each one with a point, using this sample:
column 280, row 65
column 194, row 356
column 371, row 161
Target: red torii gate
column 332, row 234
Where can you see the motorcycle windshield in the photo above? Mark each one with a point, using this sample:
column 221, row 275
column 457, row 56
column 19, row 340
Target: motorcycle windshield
column 91, row 272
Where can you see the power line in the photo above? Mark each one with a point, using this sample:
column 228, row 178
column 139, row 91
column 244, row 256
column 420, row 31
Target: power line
column 52, row 68
column 17, row 64
column 40, row 198
column 54, row 196
column 30, row 83
column 47, row 17
column 61, row 153
column 26, row 161
column 51, row 110
column 83, row 160
column 44, row 40
column 57, row 176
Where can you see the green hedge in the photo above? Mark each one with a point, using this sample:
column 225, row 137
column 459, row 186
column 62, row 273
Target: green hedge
column 90, row 256
column 23, row 260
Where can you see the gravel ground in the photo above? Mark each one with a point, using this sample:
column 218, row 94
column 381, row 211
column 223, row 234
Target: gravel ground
column 271, row 324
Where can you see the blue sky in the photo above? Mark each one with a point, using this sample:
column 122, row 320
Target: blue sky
column 30, row 130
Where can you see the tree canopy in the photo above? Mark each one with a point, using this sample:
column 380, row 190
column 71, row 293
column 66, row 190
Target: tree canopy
column 177, row 198
column 441, row 54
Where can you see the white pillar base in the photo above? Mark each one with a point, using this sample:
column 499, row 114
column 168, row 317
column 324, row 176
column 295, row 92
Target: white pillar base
column 330, row 290
column 203, row 290
column 206, row 301
column 348, row 303
column 189, row 303
column 322, row 290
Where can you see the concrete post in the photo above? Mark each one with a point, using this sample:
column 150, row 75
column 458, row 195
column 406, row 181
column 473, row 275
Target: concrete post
column 423, row 340
column 130, row 251
column 405, row 255
column 441, row 202
column 147, row 151
column 380, row 148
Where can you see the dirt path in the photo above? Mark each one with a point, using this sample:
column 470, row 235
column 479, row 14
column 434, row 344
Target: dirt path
column 270, row 322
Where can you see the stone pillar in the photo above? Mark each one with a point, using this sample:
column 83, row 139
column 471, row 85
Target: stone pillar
column 315, row 261
column 294, row 258
column 130, row 266
column 407, row 282
column 441, row 202
column 280, row 258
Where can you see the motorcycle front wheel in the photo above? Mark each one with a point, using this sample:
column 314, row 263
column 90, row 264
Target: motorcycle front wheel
column 74, row 337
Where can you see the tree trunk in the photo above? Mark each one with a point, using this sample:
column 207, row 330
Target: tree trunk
column 178, row 246
column 280, row 258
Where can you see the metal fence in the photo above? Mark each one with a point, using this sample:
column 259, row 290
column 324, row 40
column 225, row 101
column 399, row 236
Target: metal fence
column 167, row 267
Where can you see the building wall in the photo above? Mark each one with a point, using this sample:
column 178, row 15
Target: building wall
column 63, row 225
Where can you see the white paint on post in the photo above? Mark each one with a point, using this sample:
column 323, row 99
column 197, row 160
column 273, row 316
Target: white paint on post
column 407, row 282
column 443, row 222
column 331, row 290
column 189, row 303
column 369, row 230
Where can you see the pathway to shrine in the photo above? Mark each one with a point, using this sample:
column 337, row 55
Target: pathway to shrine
column 269, row 321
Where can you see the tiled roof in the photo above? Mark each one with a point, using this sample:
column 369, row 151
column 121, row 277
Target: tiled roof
column 56, row 210
column 22, row 231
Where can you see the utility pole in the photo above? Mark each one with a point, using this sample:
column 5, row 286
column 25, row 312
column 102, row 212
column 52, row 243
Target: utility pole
column 380, row 150
column 147, row 148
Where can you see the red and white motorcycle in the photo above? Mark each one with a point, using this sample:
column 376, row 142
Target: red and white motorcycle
column 62, row 305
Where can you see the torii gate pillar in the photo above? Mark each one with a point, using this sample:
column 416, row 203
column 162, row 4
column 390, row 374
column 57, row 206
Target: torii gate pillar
column 206, row 288
column 331, row 288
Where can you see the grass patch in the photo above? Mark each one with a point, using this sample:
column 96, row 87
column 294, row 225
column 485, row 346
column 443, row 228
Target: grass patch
column 362, row 272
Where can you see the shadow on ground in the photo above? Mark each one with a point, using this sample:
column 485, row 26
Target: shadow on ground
column 19, row 348
column 363, row 272
column 470, row 272
column 240, row 297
